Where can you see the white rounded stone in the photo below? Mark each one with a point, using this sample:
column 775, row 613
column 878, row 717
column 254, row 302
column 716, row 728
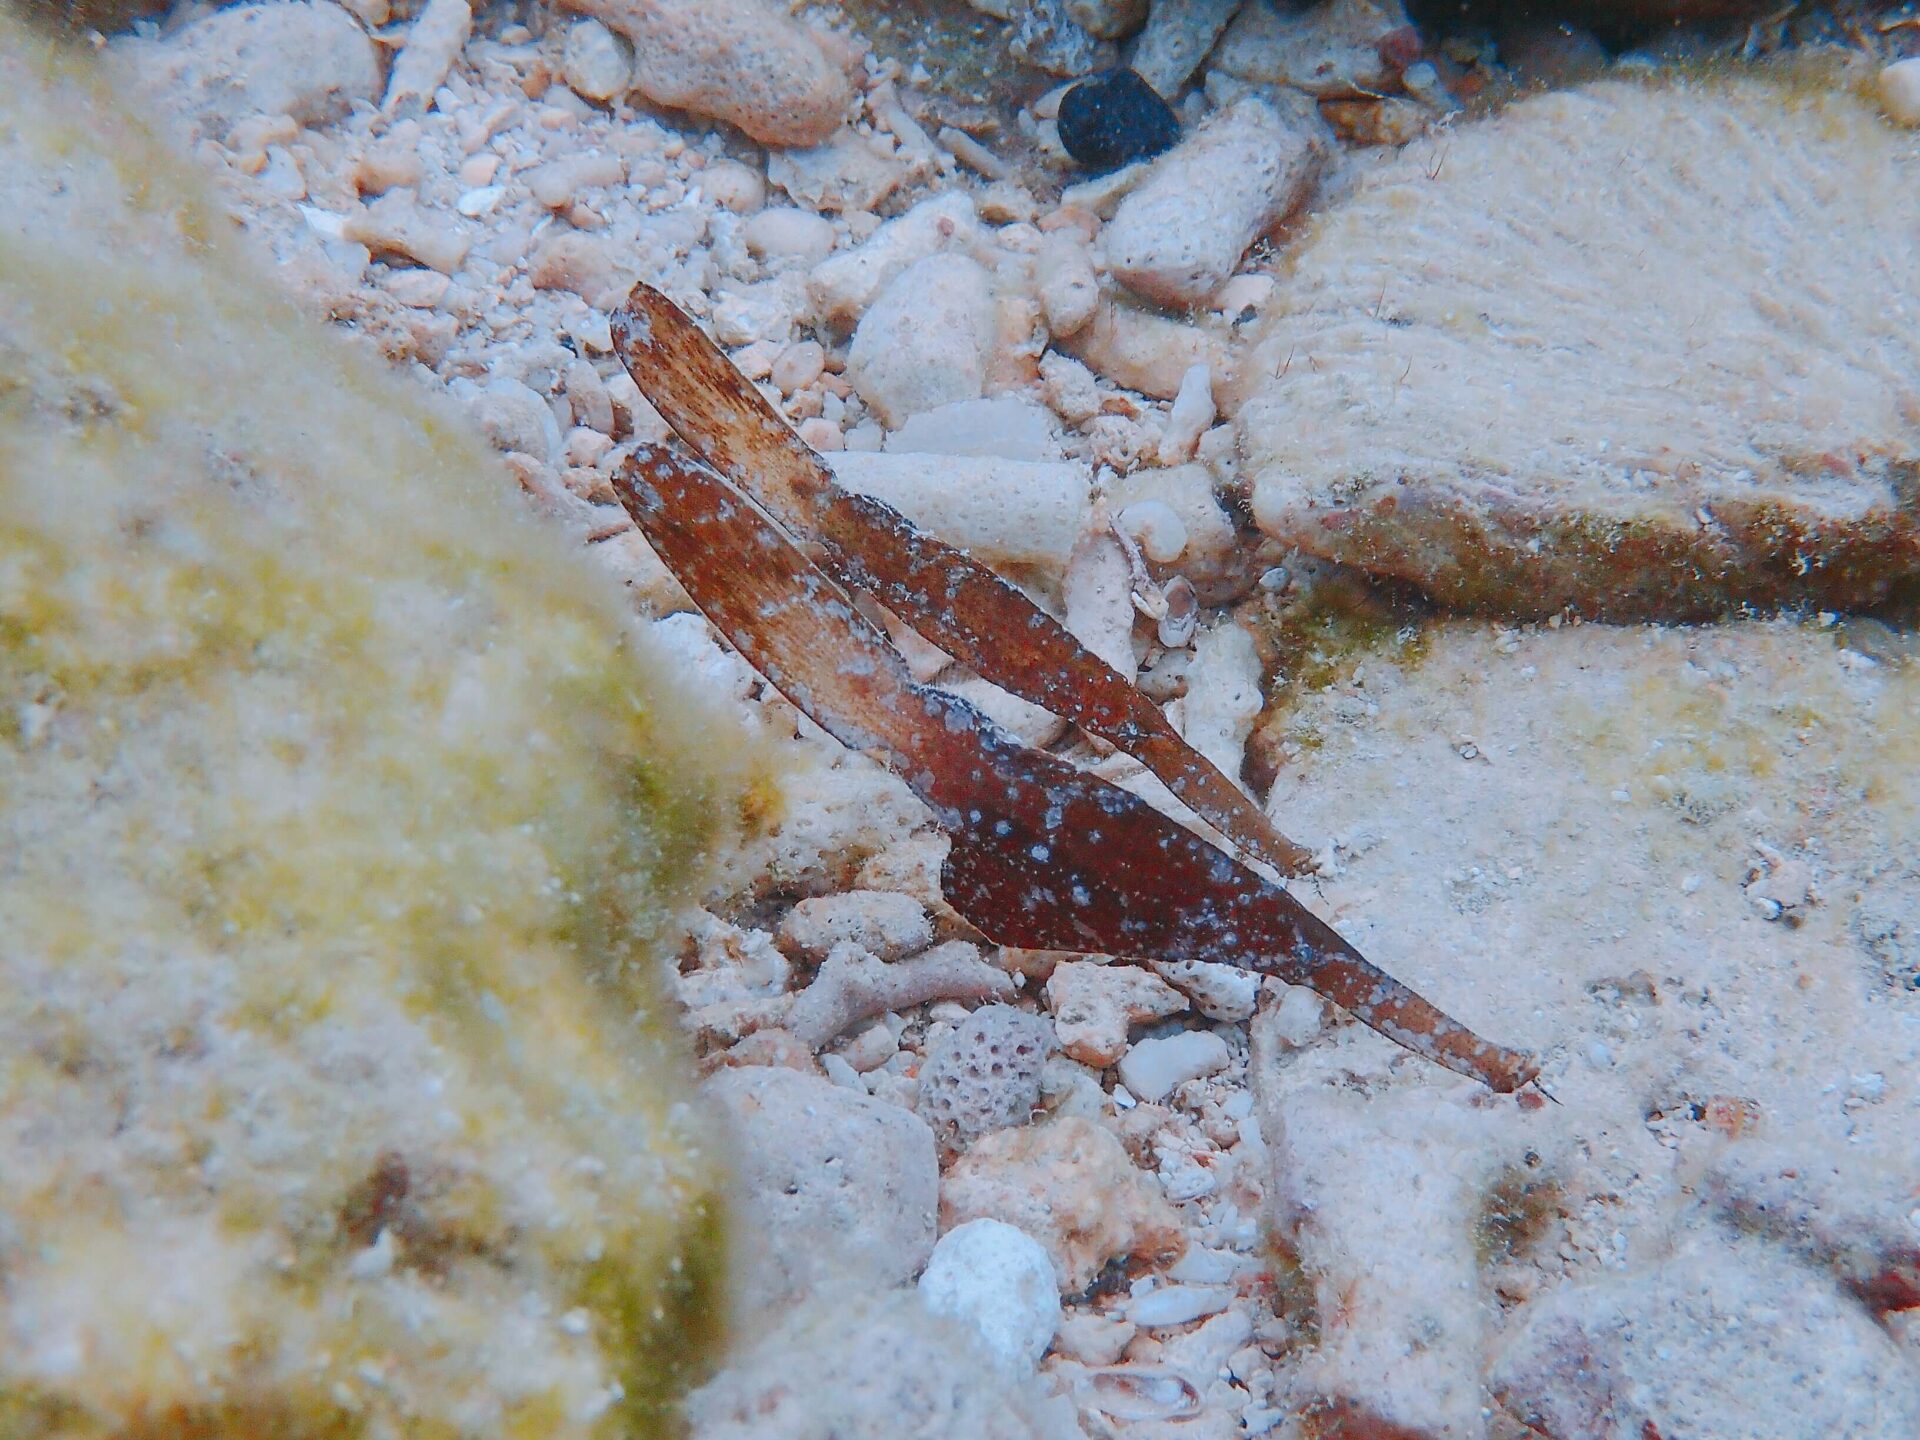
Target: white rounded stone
column 596, row 62
column 783, row 233
column 1176, row 1305
column 1161, row 532
column 1900, row 91
column 740, row 188
column 1153, row 1067
column 1065, row 284
column 1000, row 1280
column 924, row 342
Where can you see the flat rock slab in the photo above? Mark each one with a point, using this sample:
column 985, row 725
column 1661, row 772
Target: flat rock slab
column 1574, row 839
column 1634, row 351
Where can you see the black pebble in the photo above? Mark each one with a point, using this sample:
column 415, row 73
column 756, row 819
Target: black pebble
column 1114, row 118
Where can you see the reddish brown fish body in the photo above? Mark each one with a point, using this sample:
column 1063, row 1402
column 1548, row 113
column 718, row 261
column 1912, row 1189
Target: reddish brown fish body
column 1044, row 856
column 955, row 602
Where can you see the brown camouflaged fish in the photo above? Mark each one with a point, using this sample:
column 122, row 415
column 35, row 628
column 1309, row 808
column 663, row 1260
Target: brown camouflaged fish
column 1044, row 856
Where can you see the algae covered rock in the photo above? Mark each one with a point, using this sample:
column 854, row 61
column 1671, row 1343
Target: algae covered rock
column 339, row 815
column 1645, row 350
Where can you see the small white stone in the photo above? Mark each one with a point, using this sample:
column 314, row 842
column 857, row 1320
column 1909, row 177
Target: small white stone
column 798, row 366
column 1161, row 532
column 1094, row 1339
column 739, row 188
column 842, row 1074
column 1000, row 1280
column 924, row 342
column 476, row 203
column 1176, row 1305
column 1219, row 992
column 375, row 1261
column 1153, row 1067
column 1065, row 284
column 587, row 446
column 1900, row 91
column 433, row 41
column 596, row 62
column 870, row 1048
column 783, row 233
column 478, row 170
column 1243, row 293
column 418, row 288
column 1192, row 413
column 1201, row 1266
column 1180, row 235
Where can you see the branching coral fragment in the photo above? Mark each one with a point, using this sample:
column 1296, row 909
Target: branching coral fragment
column 854, row 985
column 1044, row 856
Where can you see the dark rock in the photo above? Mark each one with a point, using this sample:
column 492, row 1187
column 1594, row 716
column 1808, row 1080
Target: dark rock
column 1552, row 56
column 1114, row 118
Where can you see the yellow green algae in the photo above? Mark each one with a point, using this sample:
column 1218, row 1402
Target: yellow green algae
column 1313, row 639
column 341, row 814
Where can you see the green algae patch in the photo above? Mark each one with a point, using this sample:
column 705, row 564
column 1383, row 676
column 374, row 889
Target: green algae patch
column 342, row 817
column 1314, row 640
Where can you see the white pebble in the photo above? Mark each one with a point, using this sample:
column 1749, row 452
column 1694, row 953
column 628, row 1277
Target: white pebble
column 870, row 1048
column 1153, row 1067
column 1094, row 1340
column 798, row 366
column 1900, row 91
column 1176, row 1305
column 1159, row 529
column 376, row 1261
column 925, row 340
column 1192, row 413
column 1000, row 1280
column 421, row 289
column 596, row 62
column 739, row 188
column 478, row 170
column 1179, row 236
column 1243, row 293
column 587, row 446
column 1201, row 1266
column 1065, row 284
column 823, row 435
column 432, row 43
column 782, row 233
column 841, row 1073
column 1300, row 1017
column 476, row 203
